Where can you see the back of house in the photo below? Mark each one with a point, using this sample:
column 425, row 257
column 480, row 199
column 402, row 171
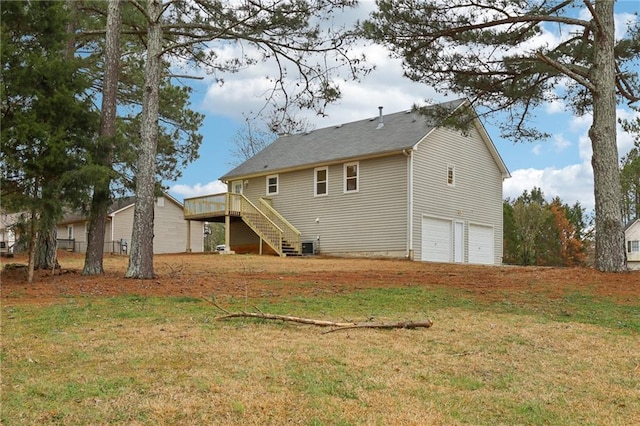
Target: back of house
column 396, row 185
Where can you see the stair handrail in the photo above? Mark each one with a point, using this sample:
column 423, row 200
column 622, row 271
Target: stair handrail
column 245, row 206
column 291, row 233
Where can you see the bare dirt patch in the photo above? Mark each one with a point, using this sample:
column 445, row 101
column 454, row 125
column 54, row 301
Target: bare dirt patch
column 204, row 275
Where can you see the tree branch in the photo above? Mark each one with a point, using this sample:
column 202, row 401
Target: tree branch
column 511, row 20
column 624, row 87
column 567, row 71
column 320, row 323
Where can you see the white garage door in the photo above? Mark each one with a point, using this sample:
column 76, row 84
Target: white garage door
column 481, row 244
column 436, row 240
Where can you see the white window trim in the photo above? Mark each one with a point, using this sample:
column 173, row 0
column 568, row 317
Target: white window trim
column 277, row 184
column 633, row 246
column 315, row 181
column 160, row 201
column 357, row 177
column 452, row 168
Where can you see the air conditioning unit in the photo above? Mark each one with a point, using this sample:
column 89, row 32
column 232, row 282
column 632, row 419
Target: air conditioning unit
column 309, row 248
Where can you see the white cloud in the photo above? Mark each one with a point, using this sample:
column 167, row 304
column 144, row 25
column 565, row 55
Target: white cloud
column 584, row 148
column 536, row 149
column 625, row 140
column 560, row 142
column 580, row 123
column 623, row 22
column 246, row 92
column 188, row 191
column 572, row 184
column 556, row 106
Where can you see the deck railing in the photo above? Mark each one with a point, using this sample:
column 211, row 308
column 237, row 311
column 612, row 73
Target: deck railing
column 207, row 206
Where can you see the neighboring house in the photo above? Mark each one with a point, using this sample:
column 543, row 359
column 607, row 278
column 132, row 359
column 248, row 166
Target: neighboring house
column 170, row 228
column 8, row 232
column 395, row 185
column 632, row 244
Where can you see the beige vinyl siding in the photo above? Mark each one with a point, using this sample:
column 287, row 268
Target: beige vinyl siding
column 197, row 237
column 371, row 221
column 79, row 234
column 169, row 228
column 633, row 234
column 122, row 225
column 476, row 196
column 108, row 244
column 61, row 231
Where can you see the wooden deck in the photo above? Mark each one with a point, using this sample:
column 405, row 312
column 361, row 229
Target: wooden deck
column 212, row 206
column 263, row 219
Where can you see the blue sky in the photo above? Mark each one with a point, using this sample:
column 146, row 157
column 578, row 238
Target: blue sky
column 559, row 165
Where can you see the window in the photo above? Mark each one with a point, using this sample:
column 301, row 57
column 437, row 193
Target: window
column 351, row 177
column 633, row 246
column 451, row 175
column 160, row 201
column 321, row 180
column 272, row 185
column 70, row 232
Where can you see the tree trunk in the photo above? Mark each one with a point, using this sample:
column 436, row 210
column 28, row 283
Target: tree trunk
column 46, row 247
column 32, row 245
column 141, row 257
column 610, row 254
column 93, row 263
column 46, row 243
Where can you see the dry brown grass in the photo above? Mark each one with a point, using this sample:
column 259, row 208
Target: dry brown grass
column 472, row 368
column 86, row 359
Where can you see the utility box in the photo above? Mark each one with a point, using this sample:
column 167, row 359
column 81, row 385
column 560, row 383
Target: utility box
column 309, row 248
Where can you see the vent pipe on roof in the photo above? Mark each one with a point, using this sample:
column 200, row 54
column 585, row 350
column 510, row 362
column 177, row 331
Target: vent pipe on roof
column 380, row 119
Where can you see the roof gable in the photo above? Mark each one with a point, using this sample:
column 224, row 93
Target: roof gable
column 632, row 227
column 121, row 204
column 363, row 138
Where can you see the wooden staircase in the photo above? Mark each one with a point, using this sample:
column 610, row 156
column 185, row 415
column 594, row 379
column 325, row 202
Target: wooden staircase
column 263, row 219
column 291, row 244
column 270, row 226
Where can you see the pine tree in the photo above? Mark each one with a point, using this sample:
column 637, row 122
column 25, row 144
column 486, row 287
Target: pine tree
column 47, row 121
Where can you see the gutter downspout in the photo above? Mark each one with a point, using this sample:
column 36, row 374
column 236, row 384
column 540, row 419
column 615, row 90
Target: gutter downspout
column 409, row 154
column 113, row 219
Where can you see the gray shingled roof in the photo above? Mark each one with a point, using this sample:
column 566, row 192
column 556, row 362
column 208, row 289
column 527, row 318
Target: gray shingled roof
column 119, row 203
column 78, row 216
column 401, row 130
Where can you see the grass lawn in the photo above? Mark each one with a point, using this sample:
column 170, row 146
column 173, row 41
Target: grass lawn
column 149, row 360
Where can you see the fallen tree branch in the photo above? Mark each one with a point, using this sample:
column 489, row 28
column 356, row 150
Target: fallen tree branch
column 321, row 323
column 402, row 324
column 264, row 315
